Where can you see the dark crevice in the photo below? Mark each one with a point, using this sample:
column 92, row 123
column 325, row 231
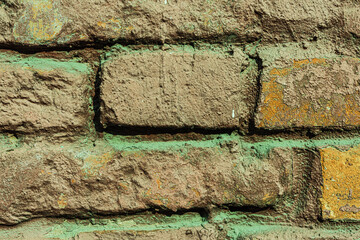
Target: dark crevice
column 98, row 45
column 203, row 212
column 102, row 44
column 10, row 132
column 137, row 130
column 97, row 99
column 259, row 62
column 247, row 209
column 93, row 216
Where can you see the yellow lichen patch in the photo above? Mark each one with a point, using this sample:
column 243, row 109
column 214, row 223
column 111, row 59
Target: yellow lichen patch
column 115, row 25
column 41, row 22
column 341, row 188
column 287, row 102
column 95, row 163
column 269, row 197
column 62, row 201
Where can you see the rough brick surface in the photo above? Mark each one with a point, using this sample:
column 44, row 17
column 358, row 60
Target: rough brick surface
column 55, row 22
column 300, row 20
column 43, row 94
column 340, row 198
column 309, row 90
column 179, row 87
column 118, row 177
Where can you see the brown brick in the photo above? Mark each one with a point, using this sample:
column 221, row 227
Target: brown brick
column 352, row 19
column 43, row 94
column 304, row 88
column 179, row 87
column 303, row 20
column 55, row 22
column 68, row 22
column 117, row 177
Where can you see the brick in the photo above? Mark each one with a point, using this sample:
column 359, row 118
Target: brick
column 352, row 20
column 43, row 94
column 59, row 22
column 117, row 176
column 341, row 196
column 307, row 89
column 70, row 22
column 285, row 20
column 179, row 87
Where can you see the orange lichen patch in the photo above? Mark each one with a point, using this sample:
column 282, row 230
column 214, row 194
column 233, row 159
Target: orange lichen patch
column 335, row 108
column 300, row 63
column 123, row 186
column 95, row 163
column 268, row 197
column 197, row 193
column 158, row 182
column 114, row 25
column 62, row 201
column 341, row 188
column 318, row 61
column 280, row 72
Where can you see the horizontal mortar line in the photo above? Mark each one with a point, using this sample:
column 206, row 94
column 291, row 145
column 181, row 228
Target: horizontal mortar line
column 203, row 212
column 133, row 130
column 102, row 45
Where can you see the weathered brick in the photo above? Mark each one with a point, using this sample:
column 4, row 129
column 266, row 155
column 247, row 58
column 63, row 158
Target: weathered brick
column 53, row 22
column 352, row 19
column 341, row 189
column 43, row 94
column 286, row 20
column 178, row 87
column 68, row 22
column 305, row 88
column 119, row 176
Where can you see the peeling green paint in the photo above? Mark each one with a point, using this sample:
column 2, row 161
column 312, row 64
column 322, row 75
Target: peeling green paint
column 121, row 143
column 67, row 229
column 235, row 225
column 45, row 64
column 261, row 148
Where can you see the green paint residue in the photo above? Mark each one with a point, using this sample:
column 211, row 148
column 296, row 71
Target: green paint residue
column 264, row 147
column 67, row 229
column 284, row 231
column 44, row 64
column 261, row 148
column 120, row 143
column 8, row 142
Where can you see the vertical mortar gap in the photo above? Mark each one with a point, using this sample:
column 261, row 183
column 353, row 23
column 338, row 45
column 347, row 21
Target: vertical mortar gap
column 259, row 62
column 97, row 99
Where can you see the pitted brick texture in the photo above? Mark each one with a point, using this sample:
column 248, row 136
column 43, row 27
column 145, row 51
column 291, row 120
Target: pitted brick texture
column 179, row 87
column 44, row 95
column 71, row 179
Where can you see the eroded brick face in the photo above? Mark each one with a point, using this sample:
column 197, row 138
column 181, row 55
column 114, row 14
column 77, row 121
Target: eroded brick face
column 44, row 95
column 179, row 119
column 312, row 92
column 76, row 178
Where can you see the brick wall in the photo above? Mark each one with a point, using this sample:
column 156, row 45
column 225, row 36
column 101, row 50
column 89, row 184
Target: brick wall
column 167, row 119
